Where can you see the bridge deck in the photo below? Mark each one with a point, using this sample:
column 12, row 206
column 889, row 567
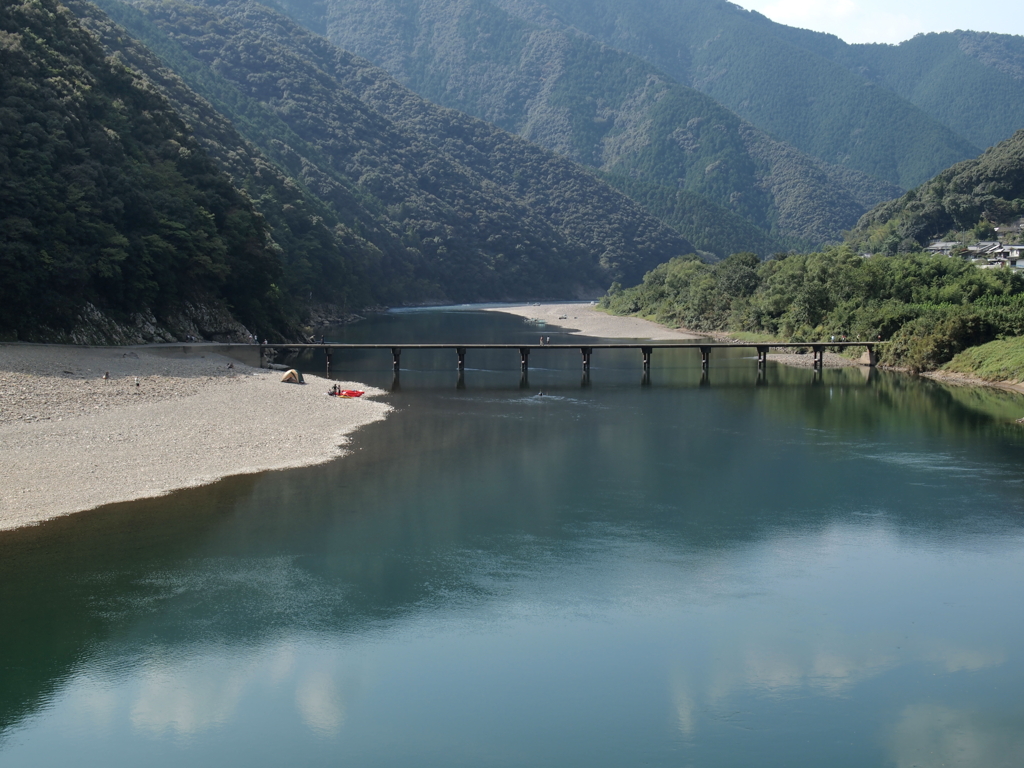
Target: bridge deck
column 583, row 345
column 586, row 349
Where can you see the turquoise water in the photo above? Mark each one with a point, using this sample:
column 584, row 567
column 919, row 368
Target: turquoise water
column 799, row 570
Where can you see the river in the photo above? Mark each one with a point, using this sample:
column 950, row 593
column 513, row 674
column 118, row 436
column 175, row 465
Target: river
column 795, row 570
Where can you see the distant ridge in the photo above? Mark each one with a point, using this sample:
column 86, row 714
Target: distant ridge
column 835, row 102
column 610, row 110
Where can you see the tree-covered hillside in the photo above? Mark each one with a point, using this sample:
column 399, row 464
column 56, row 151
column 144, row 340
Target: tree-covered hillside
column 928, row 307
column 774, row 77
column 479, row 214
column 612, row 111
column 107, row 200
column 973, row 82
column 975, row 194
column 123, row 188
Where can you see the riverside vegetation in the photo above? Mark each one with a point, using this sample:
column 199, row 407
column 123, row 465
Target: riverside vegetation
column 931, row 307
column 928, row 307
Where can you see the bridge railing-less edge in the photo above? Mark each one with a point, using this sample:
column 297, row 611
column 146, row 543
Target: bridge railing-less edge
column 818, row 350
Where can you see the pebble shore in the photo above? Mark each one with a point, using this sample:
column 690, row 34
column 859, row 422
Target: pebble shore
column 586, row 319
column 165, row 418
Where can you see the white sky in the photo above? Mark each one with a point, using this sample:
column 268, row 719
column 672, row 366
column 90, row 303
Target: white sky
column 892, row 21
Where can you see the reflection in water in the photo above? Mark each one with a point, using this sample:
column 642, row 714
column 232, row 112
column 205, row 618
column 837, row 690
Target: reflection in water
column 930, row 736
column 706, row 575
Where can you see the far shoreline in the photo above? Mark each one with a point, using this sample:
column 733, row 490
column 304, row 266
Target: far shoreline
column 584, row 318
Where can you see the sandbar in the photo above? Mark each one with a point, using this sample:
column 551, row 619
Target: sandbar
column 587, row 320
column 71, row 440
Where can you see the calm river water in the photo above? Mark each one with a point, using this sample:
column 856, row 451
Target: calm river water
column 802, row 571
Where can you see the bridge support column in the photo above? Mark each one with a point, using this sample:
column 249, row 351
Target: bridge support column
column 586, row 352
column 869, row 358
column 328, row 352
column 705, row 357
column 396, row 353
column 461, row 351
column 524, row 358
column 261, row 355
column 762, row 357
column 646, row 352
column 819, row 356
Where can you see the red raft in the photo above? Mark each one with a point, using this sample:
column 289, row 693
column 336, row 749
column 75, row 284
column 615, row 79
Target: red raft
column 347, row 393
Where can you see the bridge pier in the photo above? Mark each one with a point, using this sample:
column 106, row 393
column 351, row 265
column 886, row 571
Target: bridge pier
column 328, row 352
column 586, row 352
column 524, row 358
column 261, row 355
column 396, row 353
column 646, row 352
column 818, row 351
column 461, row 352
column 705, row 357
column 762, row 357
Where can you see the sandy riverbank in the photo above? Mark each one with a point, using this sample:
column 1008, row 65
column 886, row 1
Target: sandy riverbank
column 71, row 440
column 965, row 380
column 587, row 320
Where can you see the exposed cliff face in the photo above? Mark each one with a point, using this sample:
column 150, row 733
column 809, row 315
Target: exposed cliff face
column 187, row 322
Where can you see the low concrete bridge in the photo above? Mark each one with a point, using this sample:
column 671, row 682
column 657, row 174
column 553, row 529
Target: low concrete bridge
column 587, row 350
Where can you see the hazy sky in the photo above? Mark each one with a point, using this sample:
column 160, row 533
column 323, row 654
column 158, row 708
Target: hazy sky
column 892, row 21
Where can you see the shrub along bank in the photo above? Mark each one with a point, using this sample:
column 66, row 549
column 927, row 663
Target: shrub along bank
column 929, row 307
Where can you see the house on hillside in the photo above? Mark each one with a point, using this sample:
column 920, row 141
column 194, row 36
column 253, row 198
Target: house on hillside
column 986, row 249
column 987, row 254
column 1010, row 230
column 945, row 247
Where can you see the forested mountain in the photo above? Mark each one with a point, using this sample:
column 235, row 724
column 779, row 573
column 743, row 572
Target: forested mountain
column 106, row 200
column 975, row 194
column 808, row 89
column 973, row 82
column 393, row 201
column 699, row 167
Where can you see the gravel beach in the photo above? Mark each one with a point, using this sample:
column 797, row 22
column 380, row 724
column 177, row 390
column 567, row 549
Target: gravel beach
column 587, row 320
column 165, row 418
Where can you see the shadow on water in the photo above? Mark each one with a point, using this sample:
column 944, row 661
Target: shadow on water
column 460, row 488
